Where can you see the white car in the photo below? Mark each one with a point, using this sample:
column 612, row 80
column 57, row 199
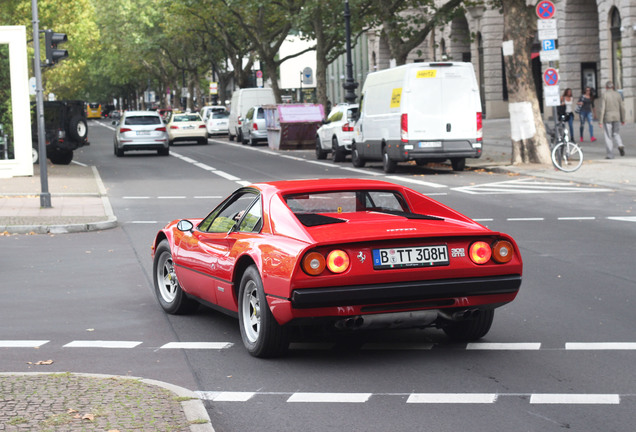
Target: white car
column 187, row 127
column 140, row 130
column 336, row 135
column 206, row 111
column 217, row 123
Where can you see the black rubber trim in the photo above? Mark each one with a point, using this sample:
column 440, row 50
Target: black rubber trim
column 403, row 291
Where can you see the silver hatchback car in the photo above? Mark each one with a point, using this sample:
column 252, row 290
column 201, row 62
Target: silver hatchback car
column 141, row 130
column 254, row 127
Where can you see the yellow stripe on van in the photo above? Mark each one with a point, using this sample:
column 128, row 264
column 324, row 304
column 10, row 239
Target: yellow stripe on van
column 396, row 97
column 429, row 73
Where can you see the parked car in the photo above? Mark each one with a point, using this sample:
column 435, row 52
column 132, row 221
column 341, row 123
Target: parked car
column 336, row 135
column 187, row 127
column 253, row 128
column 217, row 123
column 242, row 101
column 66, row 130
column 348, row 253
column 140, row 130
column 419, row 111
column 207, row 110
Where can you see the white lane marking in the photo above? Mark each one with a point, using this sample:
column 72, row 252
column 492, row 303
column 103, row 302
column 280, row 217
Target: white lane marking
column 102, row 344
column 484, row 220
column 589, row 346
column 226, row 175
column 525, row 186
column 204, row 166
column 623, row 218
column 197, row 345
column 360, row 171
column 525, row 219
column 566, row 398
column 577, row 218
column 330, row 397
column 452, row 398
column 329, row 165
column 243, row 182
column 415, row 181
column 517, row 346
column 225, row 396
column 22, row 343
column 78, row 163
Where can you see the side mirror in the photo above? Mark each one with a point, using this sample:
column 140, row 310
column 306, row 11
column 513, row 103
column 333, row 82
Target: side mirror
column 185, row 225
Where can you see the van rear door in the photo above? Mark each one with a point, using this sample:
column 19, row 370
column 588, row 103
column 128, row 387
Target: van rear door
column 446, row 105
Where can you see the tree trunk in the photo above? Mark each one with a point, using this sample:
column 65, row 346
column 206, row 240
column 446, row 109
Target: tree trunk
column 271, row 67
column 529, row 142
column 321, row 61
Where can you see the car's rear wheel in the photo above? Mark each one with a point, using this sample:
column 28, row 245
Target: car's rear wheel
column 320, row 153
column 458, row 164
column 388, row 164
column 118, row 152
column 35, row 155
column 203, row 141
column 471, row 329
column 167, row 289
column 261, row 334
column 357, row 160
column 339, row 153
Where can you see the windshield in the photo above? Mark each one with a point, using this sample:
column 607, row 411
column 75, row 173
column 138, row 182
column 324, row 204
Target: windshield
column 346, row 202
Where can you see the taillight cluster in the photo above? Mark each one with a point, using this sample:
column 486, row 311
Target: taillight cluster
column 255, row 127
column 404, row 128
column 122, row 130
column 161, row 129
column 480, row 132
column 480, row 252
column 347, row 127
column 336, row 261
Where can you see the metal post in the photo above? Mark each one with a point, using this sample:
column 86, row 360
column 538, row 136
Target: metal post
column 45, row 196
column 349, row 85
column 300, row 95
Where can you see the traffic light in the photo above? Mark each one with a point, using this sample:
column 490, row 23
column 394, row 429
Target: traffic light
column 51, row 40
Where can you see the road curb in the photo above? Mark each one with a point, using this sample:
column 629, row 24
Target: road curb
column 193, row 407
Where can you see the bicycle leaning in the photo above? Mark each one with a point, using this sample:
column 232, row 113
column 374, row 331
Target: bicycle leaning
column 566, row 154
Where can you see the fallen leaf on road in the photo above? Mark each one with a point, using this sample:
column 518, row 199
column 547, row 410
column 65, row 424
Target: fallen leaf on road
column 42, row 362
column 88, row 416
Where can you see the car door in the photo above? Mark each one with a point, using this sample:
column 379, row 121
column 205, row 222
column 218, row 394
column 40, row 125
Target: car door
column 204, row 262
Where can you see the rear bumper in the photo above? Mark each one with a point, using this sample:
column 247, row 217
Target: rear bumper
column 403, row 292
column 432, row 150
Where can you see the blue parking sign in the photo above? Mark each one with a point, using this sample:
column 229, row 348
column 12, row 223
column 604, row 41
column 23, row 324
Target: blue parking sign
column 548, row 45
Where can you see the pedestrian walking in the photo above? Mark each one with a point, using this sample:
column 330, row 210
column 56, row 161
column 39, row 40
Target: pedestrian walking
column 612, row 112
column 568, row 102
column 587, row 112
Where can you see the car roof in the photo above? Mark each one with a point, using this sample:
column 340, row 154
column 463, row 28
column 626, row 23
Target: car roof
column 141, row 113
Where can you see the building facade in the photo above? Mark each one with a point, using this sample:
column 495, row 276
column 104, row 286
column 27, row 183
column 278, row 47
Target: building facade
column 596, row 42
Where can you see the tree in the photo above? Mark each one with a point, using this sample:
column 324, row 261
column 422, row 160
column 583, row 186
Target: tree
column 407, row 23
column 529, row 143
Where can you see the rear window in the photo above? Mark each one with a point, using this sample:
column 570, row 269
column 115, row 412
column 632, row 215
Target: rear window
column 142, row 120
column 220, row 115
column 186, row 118
column 260, row 114
column 346, row 202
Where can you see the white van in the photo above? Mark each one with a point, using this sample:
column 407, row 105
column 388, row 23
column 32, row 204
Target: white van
column 419, row 111
column 242, row 101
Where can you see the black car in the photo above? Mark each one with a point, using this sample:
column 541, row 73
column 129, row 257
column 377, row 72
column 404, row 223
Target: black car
column 66, row 130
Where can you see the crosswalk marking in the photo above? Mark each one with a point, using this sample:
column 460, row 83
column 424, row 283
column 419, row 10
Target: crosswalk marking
column 197, row 345
column 102, row 344
column 526, row 186
column 22, row 343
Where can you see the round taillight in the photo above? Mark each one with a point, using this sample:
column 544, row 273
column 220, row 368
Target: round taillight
column 313, row 263
column 502, row 252
column 338, row 261
column 480, row 252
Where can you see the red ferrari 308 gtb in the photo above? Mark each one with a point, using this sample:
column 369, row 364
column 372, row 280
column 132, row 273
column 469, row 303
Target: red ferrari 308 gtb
column 345, row 252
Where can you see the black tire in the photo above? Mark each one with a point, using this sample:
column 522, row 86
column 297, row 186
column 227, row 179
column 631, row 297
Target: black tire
column 78, row 128
column 471, row 329
column 262, row 335
column 357, row 160
column 388, row 164
column 239, row 137
column 320, row 153
column 35, row 155
column 458, row 164
column 230, row 136
column 170, row 143
column 203, row 141
column 61, row 157
column 167, row 289
column 163, row 152
column 339, row 152
column 118, row 152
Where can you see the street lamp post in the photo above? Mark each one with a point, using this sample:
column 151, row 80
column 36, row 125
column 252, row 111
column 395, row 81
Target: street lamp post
column 349, row 85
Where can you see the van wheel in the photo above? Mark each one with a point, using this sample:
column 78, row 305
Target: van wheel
column 230, row 136
column 357, row 160
column 388, row 164
column 459, row 164
column 338, row 151
column 35, row 155
column 320, row 153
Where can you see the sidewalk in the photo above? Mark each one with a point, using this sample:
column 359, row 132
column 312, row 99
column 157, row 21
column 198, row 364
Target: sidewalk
column 85, row 402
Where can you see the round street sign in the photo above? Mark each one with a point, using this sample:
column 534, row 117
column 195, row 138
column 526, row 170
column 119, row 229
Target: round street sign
column 545, row 9
column 551, row 77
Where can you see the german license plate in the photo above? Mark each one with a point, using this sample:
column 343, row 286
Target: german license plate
column 140, row 133
column 429, row 144
column 418, row 256
column 187, row 127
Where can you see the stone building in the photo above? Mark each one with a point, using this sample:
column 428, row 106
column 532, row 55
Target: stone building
column 596, row 43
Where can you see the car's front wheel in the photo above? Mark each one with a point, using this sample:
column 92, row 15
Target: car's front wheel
column 339, row 152
column 167, row 289
column 261, row 334
column 320, row 153
column 471, row 329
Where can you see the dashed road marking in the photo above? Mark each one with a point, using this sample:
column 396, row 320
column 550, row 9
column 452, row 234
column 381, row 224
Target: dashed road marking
column 600, row 346
column 570, row 399
column 330, row 397
column 452, row 398
column 197, row 345
column 22, row 343
column 102, row 344
column 517, row 346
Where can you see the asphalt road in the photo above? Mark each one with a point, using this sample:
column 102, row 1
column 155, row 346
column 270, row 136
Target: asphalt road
column 561, row 356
